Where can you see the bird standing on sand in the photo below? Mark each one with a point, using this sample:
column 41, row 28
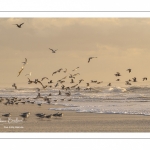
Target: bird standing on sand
column 7, row 115
column 91, row 58
column 19, row 25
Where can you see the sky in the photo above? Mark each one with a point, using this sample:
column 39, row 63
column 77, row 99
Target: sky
column 118, row 44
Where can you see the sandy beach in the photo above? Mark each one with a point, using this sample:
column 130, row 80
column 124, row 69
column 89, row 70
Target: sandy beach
column 70, row 122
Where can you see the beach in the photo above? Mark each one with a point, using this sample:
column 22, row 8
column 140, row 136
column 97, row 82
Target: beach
column 70, row 122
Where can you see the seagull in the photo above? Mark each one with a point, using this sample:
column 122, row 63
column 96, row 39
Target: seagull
column 75, row 69
column 145, row 78
column 99, row 82
column 134, row 79
column 128, row 83
column 91, row 58
column 44, row 78
column 72, row 81
column 50, row 82
column 65, row 70
column 20, row 71
column 109, row 84
column 117, row 74
column 129, row 70
column 24, row 63
column 7, row 115
column 53, row 51
column 80, row 80
column 19, row 25
column 14, row 85
column 28, row 74
column 74, row 86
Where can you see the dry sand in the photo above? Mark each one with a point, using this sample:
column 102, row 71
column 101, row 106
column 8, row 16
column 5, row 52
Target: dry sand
column 70, row 122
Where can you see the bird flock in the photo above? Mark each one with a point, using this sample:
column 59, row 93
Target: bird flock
column 74, row 84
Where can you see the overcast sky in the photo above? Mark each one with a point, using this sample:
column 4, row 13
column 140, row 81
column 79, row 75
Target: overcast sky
column 118, row 44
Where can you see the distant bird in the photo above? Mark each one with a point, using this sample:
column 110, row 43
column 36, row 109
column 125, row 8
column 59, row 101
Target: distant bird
column 14, row 85
column 145, row 78
column 54, row 73
column 19, row 25
column 99, row 82
column 118, row 80
column 72, row 81
column 56, row 84
column 129, row 70
column 127, row 83
column 65, row 70
column 87, row 84
column 80, row 80
column 53, row 51
column 20, row 71
column 50, row 82
column 109, row 84
column 134, row 79
column 76, row 74
column 93, row 81
column 28, row 74
column 117, row 74
column 71, row 76
column 40, row 104
column 91, row 58
column 78, row 88
column 44, row 78
column 24, row 63
column 7, row 115
column 74, row 86
column 59, row 92
column 75, row 69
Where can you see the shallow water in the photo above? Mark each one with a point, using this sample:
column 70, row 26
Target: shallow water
column 120, row 100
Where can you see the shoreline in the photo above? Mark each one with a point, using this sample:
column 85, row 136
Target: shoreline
column 71, row 121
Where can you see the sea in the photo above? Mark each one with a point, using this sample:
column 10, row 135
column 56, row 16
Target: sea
column 131, row 100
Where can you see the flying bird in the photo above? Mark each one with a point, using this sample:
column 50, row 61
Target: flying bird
column 91, row 58
column 14, row 85
column 75, row 69
column 20, row 71
column 129, row 70
column 145, row 78
column 19, row 25
column 28, row 74
column 44, row 78
column 53, row 51
column 24, row 63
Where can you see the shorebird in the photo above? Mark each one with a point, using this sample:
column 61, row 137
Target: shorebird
column 134, row 79
column 145, row 78
column 50, row 82
column 72, row 81
column 28, row 74
column 99, row 82
column 53, row 51
column 59, row 93
column 129, row 70
column 71, row 76
column 76, row 74
column 54, row 73
column 74, row 86
column 48, row 116
column 14, row 85
column 20, row 71
column 68, row 94
column 44, row 78
column 78, row 88
column 118, row 80
column 91, row 58
column 65, row 70
column 75, row 69
column 56, row 84
column 7, row 115
column 24, row 63
column 80, row 80
column 93, row 81
column 109, row 84
column 127, row 83
column 117, row 74
column 40, row 104
column 19, row 25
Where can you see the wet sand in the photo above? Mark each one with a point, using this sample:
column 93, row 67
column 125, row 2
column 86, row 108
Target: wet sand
column 70, row 122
